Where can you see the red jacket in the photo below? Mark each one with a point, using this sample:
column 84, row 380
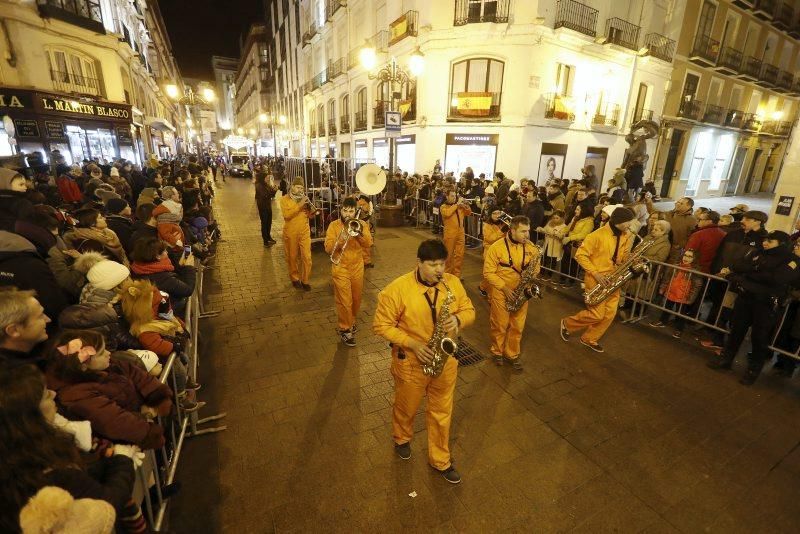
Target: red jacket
column 68, row 189
column 705, row 241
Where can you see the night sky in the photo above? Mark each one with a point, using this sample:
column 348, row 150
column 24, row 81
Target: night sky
column 200, row 29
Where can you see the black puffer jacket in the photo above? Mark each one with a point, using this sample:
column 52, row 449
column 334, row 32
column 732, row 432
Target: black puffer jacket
column 765, row 274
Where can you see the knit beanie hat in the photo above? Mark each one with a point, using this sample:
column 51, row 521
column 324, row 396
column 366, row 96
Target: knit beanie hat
column 298, row 181
column 6, row 177
column 621, row 215
column 114, row 171
column 116, row 205
column 107, row 274
column 780, row 237
column 75, row 170
column 489, row 190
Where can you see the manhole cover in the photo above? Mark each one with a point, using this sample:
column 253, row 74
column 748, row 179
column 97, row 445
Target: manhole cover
column 387, row 235
column 467, row 355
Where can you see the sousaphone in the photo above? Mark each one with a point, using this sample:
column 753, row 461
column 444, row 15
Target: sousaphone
column 370, row 179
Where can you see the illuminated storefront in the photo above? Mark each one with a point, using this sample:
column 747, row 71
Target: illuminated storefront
column 478, row 151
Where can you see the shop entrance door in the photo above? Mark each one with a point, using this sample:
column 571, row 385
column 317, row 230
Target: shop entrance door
column 78, row 146
column 736, row 171
column 751, row 173
column 672, row 157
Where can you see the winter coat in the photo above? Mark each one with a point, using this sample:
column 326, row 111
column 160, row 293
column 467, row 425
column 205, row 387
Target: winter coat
column 557, row 201
column 68, row 278
column 41, row 237
column 735, row 246
column 553, row 240
column 264, row 195
column 112, row 402
column 659, row 250
column 583, row 227
column 764, row 273
column 68, row 189
column 705, row 241
column 681, row 286
column 178, row 283
column 103, row 318
column 141, row 231
column 535, row 212
column 78, row 237
column 681, row 224
column 14, row 205
column 13, row 358
column 23, row 267
column 123, row 227
column 635, row 177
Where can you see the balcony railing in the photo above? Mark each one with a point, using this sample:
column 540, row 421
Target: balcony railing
column 751, row 122
column 336, row 68
column 713, row 114
column 576, row 16
column 344, row 124
column 784, row 16
column 66, row 82
column 730, row 60
column 558, row 107
column 84, row 13
column 607, row 115
column 360, row 121
column 378, row 113
column 660, row 46
column 313, row 29
column 404, row 26
column 623, row 33
column 764, row 9
column 733, row 118
column 472, row 12
column 751, row 68
column 321, row 127
column 332, row 127
column 785, row 80
column 705, row 49
column 474, row 106
column 332, row 6
column 745, row 4
column 690, row 109
column 642, row 115
column 768, row 75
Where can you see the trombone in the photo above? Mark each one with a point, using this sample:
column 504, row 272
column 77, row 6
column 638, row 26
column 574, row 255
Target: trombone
column 353, row 227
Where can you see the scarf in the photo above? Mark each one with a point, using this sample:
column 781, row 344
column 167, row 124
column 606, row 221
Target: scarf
column 296, row 198
column 161, row 265
column 106, row 237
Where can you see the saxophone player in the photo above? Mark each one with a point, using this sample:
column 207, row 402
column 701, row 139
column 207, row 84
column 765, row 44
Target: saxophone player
column 503, row 266
column 348, row 269
column 598, row 255
column 406, row 315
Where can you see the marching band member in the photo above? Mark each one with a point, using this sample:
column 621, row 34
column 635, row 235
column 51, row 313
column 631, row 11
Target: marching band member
column 505, row 261
column 348, row 274
column 365, row 204
column 453, row 217
column 297, row 233
column 493, row 230
column 599, row 254
column 405, row 315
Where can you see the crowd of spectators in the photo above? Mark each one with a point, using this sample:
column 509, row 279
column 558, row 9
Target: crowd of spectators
column 97, row 263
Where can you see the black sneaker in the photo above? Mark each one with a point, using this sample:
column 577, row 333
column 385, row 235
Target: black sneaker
column 483, row 292
column 597, row 347
column 564, row 331
column 657, row 324
column 297, row 284
column 498, row 360
column 348, row 338
column 306, row 287
column 516, row 364
column 451, row 475
column 192, row 385
column 403, row 451
column 749, row 378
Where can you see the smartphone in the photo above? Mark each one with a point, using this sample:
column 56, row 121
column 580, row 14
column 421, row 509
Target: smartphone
column 187, row 251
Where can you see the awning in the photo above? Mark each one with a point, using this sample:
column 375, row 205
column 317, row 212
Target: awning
column 159, row 124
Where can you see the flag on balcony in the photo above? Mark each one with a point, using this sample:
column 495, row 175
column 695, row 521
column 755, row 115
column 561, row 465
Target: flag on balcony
column 405, row 105
column 476, row 104
column 398, row 29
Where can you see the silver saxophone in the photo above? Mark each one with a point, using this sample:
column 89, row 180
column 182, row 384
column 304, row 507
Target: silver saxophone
column 527, row 288
column 443, row 347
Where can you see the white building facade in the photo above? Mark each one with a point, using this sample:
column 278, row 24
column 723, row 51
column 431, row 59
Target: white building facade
column 224, row 69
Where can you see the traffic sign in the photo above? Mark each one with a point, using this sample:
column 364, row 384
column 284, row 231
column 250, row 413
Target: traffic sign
column 394, row 123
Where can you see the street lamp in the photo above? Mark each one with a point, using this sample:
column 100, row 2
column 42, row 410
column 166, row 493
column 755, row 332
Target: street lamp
column 396, row 78
column 270, row 121
column 191, row 98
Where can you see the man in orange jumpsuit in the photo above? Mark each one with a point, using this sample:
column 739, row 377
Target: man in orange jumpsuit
column 493, row 230
column 365, row 205
column 502, row 268
column 348, row 274
column 453, row 216
column 599, row 254
column 406, row 314
column 297, row 234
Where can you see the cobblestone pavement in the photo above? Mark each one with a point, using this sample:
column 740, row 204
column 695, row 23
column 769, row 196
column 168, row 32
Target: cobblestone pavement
column 640, row 438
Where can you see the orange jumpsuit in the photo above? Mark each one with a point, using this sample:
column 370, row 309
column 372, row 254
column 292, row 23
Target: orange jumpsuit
column 596, row 254
column 403, row 314
column 348, row 275
column 491, row 232
column 502, row 267
column 365, row 216
column 296, row 238
column 453, row 217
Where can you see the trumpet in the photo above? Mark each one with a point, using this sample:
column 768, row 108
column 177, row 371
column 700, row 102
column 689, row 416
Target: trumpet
column 352, row 227
column 311, row 206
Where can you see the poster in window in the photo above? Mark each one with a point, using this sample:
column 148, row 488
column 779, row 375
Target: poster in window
column 26, row 128
column 551, row 162
column 784, row 206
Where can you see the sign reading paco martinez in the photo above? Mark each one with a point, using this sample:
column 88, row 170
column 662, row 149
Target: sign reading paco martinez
column 30, row 101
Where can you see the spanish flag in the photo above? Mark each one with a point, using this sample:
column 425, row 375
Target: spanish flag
column 475, row 104
column 405, row 105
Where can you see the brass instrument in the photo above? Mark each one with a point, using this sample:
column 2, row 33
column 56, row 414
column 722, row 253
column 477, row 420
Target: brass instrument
column 527, row 288
column 311, row 207
column 443, row 347
column 634, row 265
column 352, row 227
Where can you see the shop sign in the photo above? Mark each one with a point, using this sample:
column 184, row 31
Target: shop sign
column 361, row 143
column 26, row 128
column 15, row 99
column 472, row 139
column 784, row 206
column 102, row 111
column 406, row 139
column 54, row 129
column 124, row 136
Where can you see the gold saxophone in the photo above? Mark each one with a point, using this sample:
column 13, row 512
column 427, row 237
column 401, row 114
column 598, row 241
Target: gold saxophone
column 527, row 288
column 634, row 265
column 443, row 347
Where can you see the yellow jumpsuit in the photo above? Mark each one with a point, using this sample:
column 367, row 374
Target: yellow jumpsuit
column 453, row 216
column 404, row 314
column 491, row 232
column 296, row 239
column 366, row 251
column 348, row 275
column 505, row 260
column 596, row 254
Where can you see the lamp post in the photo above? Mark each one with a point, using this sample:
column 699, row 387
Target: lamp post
column 191, row 98
column 270, row 121
column 396, row 77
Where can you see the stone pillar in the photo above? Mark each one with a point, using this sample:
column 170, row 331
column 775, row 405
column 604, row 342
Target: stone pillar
column 788, row 185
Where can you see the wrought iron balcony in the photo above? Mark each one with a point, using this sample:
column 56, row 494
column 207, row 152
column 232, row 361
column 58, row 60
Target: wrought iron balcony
column 660, row 46
column 403, row 26
column 778, row 128
column 750, row 69
column 360, row 121
column 795, row 89
column 576, row 16
column 794, row 30
column 607, row 115
column 745, row 4
column 713, row 114
column 733, row 118
column 785, row 81
column 623, row 33
column 558, row 107
column 66, row 82
column 730, row 60
column 336, row 68
column 768, row 76
column 84, row 13
column 331, row 126
column 313, row 29
column 321, row 127
column 705, row 50
column 344, row 124
column 472, row 12
column 690, row 109
column 642, row 115
column 474, row 107
column 332, row 6
column 764, row 9
column 751, row 122
column 784, row 16
column 378, row 113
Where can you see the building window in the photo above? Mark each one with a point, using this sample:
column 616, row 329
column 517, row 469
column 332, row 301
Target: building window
column 361, row 110
column 331, row 117
column 476, row 87
column 474, row 11
column 84, row 13
column 565, row 75
column 639, row 112
column 344, row 120
column 72, row 72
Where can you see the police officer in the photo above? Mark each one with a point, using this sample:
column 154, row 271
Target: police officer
column 761, row 280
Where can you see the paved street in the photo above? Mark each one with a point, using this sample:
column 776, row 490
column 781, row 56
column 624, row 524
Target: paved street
column 640, row 438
